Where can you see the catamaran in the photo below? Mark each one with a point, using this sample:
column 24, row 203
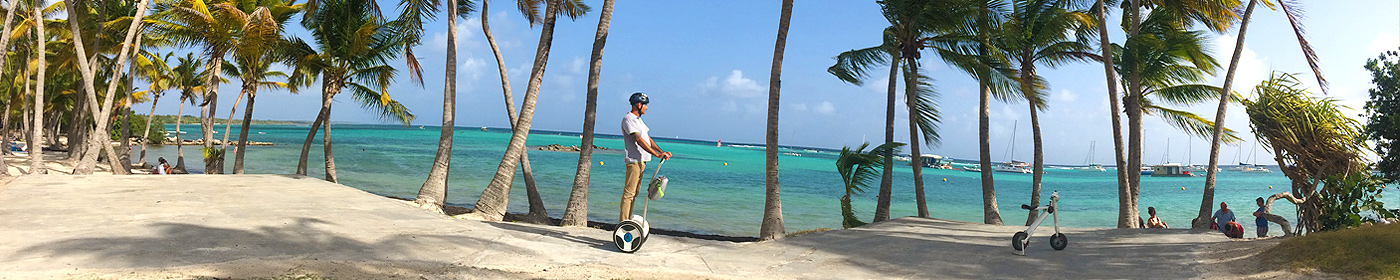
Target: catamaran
column 1014, row 166
column 1091, row 166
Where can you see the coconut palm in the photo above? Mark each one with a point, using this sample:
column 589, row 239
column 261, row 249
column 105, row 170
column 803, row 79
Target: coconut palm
column 1294, row 13
column 98, row 139
column 255, row 75
column 1310, row 138
column 1214, row 15
column 772, row 226
column 1111, row 79
column 193, row 23
column 576, row 211
column 911, row 24
column 353, row 49
column 433, row 193
column 857, row 169
column 491, row 205
column 188, row 77
column 1163, row 62
column 1039, row 32
column 154, row 70
column 36, row 153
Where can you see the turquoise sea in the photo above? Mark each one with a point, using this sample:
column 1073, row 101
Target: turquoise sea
column 714, row 190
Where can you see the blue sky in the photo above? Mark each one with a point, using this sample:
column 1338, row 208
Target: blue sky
column 705, row 65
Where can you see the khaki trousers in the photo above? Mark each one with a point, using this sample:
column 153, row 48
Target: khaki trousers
column 630, row 185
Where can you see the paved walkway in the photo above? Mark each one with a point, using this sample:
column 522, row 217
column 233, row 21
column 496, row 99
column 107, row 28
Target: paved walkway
column 181, row 226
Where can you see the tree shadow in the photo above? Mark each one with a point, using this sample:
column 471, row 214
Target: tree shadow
column 566, row 236
column 932, row 248
column 302, row 240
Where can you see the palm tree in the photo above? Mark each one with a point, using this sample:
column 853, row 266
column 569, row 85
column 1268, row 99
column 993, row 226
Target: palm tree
column 1110, row 77
column 98, row 139
column 1214, row 15
column 254, row 75
column 1293, row 13
column 342, row 59
column 857, row 168
column 912, row 23
column 576, row 211
column 187, row 77
column 772, row 227
column 154, row 70
column 192, row 23
column 492, row 204
column 978, row 57
column 1164, row 61
column 433, row 193
column 1038, row 32
column 36, row 153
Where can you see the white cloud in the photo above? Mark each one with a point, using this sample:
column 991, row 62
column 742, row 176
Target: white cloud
column 734, row 85
column 825, row 107
column 1250, row 71
column 801, row 107
column 1383, row 42
column 578, row 65
column 1065, row 96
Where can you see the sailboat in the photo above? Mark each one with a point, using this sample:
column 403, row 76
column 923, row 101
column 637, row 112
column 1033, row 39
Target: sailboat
column 1014, row 166
column 1254, row 168
column 1091, row 166
column 1192, row 167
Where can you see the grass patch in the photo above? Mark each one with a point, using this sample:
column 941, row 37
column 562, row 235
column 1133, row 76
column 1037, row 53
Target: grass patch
column 1369, row 251
column 815, row 230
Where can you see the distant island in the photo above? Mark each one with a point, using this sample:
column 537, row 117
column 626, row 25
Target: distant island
column 188, row 119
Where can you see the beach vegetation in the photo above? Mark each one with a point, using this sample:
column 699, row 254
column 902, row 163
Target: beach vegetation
column 1383, row 112
column 857, row 168
column 154, row 130
column 1352, row 199
column 1367, row 252
column 1314, row 144
column 1294, row 13
column 576, row 210
column 1050, row 33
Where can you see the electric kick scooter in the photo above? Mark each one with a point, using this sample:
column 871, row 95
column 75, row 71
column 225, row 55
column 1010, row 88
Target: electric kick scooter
column 1021, row 240
column 629, row 235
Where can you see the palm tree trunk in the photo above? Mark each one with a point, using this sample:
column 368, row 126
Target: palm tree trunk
column 1208, row 193
column 243, row 132
column 126, row 107
column 772, row 227
column 1111, row 79
column 576, row 211
column 150, row 119
column 99, row 140
column 326, row 130
column 5, row 130
column 990, row 214
column 211, row 102
column 492, row 204
column 78, row 129
column 36, row 153
column 310, row 135
column 1133, row 105
column 1039, row 160
column 882, row 199
column 180, row 141
column 433, row 193
column 537, row 213
column 916, row 161
column 228, row 127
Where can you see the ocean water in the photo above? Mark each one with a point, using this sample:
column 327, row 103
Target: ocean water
column 714, row 190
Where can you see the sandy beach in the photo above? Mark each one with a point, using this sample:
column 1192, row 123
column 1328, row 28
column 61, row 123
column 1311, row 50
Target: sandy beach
column 243, row 226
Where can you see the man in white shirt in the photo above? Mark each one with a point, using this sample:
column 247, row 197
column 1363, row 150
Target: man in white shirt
column 635, row 141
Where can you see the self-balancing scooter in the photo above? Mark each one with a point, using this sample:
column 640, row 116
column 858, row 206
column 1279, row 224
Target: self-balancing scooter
column 1021, row 240
column 630, row 234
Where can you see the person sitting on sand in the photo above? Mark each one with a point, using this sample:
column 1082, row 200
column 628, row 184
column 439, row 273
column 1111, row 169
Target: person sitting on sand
column 162, row 168
column 1154, row 222
column 634, row 143
column 1223, row 216
column 1259, row 221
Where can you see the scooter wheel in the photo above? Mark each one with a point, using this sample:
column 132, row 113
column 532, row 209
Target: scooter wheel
column 628, row 236
column 1058, row 241
column 1018, row 241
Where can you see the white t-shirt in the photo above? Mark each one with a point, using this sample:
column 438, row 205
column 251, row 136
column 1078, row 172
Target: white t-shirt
column 632, row 124
column 160, row 169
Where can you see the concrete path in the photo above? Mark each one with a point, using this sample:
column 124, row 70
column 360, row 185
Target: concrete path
column 191, row 226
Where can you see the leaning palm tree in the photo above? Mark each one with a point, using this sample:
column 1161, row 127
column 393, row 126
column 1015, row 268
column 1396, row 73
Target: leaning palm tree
column 576, row 211
column 857, row 169
column 1294, row 14
column 433, row 193
column 1039, row 32
column 491, row 205
column 255, row 74
column 912, row 23
column 97, row 141
column 772, row 227
column 187, row 75
column 154, row 70
column 36, row 153
column 353, row 49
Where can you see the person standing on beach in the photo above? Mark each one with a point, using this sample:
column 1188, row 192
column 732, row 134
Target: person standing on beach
column 1259, row 221
column 636, row 140
column 1223, row 216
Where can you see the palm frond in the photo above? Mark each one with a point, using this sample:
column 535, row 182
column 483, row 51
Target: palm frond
column 1295, row 13
column 1191, row 123
column 1187, row 94
column 379, row 102
column 924, row 106
column 853, row 66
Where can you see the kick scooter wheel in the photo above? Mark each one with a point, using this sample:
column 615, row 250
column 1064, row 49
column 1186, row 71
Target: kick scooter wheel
column 1018, row 241
column 1058, row 241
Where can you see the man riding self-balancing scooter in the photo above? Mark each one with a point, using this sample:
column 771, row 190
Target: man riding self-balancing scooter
column 1021, row 240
